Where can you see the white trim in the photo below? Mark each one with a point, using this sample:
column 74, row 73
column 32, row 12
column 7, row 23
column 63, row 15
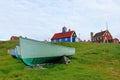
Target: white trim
column 71, row 39
column 71, row 36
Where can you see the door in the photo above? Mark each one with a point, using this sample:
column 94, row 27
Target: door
column 73, row 39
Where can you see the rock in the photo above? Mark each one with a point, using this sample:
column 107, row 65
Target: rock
column 38, row 66
column 65, row 60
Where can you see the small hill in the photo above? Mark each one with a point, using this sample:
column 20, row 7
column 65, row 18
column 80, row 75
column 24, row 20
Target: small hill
column 92, row 61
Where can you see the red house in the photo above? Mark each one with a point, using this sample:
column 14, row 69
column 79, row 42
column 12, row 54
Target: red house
column 115, row 40
column 103, row 36
column 14, row 38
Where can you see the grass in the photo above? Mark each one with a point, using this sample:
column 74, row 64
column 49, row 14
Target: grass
column 92, row 61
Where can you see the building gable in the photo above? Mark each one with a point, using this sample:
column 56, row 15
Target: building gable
column 74, row 35
column 100, row 34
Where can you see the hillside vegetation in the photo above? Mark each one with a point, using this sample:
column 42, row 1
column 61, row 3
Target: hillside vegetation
column 92, row 61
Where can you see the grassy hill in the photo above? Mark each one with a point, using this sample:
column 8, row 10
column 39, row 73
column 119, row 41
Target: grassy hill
column 92, row 61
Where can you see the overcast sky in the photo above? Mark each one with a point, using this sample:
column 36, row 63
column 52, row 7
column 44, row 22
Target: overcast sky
column 40, row 19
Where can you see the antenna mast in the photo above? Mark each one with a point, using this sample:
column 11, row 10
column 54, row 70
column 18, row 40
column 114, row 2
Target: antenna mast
column 106, row 26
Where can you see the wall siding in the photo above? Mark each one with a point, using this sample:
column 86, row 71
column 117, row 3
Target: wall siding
column 64, row 40
column 57, row 40
column 68, row 39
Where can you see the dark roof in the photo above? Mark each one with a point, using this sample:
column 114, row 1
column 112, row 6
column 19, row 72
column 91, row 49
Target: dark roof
column 62, row 35
column 14, row 38
column 116, row 39
column 100, row 33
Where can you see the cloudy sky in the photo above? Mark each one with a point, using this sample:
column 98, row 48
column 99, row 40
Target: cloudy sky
column 40, row 19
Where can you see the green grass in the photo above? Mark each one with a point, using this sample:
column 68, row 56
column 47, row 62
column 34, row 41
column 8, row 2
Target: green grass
column 92, row 61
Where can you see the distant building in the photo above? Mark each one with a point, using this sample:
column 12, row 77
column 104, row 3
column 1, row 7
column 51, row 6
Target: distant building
column 103, row 36
column 14, row 38
column 64, row 36
column 78, row 40
column 115, row 40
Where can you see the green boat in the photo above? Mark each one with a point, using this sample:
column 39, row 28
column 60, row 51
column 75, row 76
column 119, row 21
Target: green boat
column 33, row 52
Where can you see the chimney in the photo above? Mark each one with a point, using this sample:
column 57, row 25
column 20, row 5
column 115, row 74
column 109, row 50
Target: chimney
column 69, row 30
column 64, row 30
column 91, row 36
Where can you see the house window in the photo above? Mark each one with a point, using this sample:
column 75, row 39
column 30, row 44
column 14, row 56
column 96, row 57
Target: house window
column 65, row 39
column 60, row 40
column 54, row 40
column 97, row 38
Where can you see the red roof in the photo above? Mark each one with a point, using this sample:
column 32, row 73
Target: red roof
column 62, row 35
column 116, row 39
column 99, row 34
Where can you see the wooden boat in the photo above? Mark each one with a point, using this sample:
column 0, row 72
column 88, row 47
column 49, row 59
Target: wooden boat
column 34, row 52
column 15, row 52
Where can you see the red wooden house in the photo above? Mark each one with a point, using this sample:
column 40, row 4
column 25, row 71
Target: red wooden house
column 103, row 36
column 115, row 40
column 14, row 38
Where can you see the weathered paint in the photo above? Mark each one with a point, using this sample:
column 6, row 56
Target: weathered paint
column 34, row 52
